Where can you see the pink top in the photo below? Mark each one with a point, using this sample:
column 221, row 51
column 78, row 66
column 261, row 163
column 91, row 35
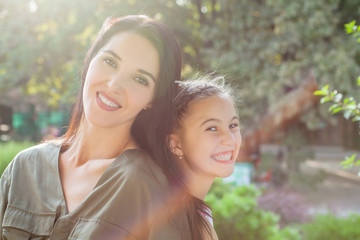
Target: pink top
column 209, row 216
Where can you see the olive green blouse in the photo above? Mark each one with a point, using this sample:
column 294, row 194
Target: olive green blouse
column 124, row 204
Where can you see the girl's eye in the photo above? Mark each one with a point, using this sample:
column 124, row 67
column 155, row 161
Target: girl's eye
column 142, row 81
column 212, row 129
column 234, row 125
column 110, row 62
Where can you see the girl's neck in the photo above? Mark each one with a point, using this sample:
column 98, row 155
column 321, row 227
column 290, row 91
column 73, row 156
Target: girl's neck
column 92, row 143
column 198, row 186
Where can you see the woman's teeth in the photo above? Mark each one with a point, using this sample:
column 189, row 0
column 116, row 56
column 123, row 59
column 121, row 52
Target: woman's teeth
column 224, row 157
column 107, row 101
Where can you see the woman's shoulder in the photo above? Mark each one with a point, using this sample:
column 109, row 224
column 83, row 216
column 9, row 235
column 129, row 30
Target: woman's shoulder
column 30, row 157
column 173, row 226
column 42, row 150
column 140, row 166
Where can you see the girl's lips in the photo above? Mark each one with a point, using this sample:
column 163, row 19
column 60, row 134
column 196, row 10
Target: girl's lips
column 223, row 157
column 110, row 105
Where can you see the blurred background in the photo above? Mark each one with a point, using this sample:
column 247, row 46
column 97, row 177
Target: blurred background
column 276, row 53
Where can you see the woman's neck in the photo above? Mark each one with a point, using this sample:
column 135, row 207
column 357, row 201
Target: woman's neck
column 93, row 143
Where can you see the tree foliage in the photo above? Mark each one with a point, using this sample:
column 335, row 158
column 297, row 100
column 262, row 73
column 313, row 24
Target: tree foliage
column 261, row 46
column 349, row 106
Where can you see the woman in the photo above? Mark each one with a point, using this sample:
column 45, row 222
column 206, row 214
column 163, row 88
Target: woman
column 203, row 143
column 95, row 182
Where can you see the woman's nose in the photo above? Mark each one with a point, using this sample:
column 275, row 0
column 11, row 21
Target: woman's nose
column 116, row 82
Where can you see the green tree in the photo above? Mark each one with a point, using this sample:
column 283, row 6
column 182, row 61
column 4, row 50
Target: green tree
column 262, row 46
column 349, row 106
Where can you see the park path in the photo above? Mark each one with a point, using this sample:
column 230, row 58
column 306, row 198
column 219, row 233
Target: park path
column 339, row 192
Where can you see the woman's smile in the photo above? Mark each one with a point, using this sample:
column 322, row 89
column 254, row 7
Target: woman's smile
column 120, row 77
column 106, row 102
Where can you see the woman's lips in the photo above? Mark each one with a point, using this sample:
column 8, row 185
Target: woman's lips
column 106, row 102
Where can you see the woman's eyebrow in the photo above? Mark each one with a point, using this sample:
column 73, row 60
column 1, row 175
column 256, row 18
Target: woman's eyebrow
column 148, row 74
column 113, row 54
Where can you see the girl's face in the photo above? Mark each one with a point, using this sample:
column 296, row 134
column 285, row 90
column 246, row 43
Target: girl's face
column 209, row 138
column 121, row 80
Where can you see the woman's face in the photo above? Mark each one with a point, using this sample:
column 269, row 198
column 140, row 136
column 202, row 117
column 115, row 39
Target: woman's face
column 121, row 81
column 209, row 138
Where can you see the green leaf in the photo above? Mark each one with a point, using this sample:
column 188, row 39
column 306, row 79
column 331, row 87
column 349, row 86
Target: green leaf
column 338, row 97
column 347, row 114
column 320, row 93
column 338, row 109
column 324, row 90
column 346, row 100
column 332, row 107
column 356, row 119
column 351, row 106
column 349, row 161
column 358, row 79
column 325, row 99
column 349, row 27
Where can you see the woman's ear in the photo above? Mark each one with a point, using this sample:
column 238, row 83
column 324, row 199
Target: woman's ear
column 149, row 106
column 174, row 145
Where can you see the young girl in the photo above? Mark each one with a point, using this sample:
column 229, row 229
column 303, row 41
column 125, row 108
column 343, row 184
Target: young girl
column 95, row 182
column 203, row 144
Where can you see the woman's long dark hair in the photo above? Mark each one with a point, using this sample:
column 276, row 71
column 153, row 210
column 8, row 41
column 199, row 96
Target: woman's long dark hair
column 170, row 66
column 157, row 145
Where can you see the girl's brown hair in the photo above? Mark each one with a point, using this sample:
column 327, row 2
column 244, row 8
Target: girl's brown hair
column 168, row 122
column 190, row 91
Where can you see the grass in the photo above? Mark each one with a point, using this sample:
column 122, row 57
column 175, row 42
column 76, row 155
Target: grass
column 9, row 150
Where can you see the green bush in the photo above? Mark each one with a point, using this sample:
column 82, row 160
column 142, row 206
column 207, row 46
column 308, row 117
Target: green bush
column 330, row 227
column 236, row 215
column 9, row 150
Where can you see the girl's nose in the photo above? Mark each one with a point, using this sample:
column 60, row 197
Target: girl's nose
column 228, row 138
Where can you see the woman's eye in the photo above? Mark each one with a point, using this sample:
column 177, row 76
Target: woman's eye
column 110, row 62
column 212, row 129
column 234, row 125
column 142, row 81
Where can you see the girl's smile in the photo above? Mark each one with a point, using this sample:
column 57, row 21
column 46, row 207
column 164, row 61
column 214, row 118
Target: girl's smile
column 223, row 157
column 209, row 138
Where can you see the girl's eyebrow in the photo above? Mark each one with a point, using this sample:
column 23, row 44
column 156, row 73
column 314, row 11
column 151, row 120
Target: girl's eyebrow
column 236, row 117
column 218, row 120
column 210, row 120
column 112, row 53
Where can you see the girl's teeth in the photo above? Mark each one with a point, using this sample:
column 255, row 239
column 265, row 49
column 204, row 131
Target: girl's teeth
column 226, row 157
column 106, row 101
